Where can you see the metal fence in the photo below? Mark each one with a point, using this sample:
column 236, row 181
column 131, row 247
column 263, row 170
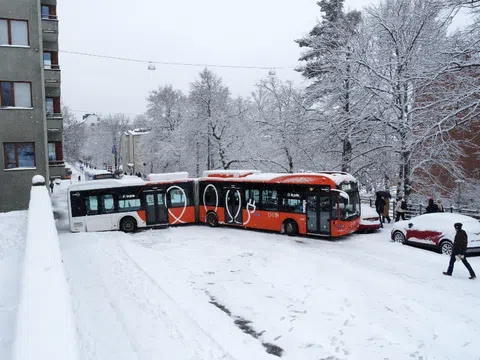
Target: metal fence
column 419, row 209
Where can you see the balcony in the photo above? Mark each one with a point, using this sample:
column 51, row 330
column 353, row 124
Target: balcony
column 54, row 122
column 52, row 76
column 50, row 29
column 56, row 169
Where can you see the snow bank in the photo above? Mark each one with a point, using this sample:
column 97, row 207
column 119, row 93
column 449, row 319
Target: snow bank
column 45, row 322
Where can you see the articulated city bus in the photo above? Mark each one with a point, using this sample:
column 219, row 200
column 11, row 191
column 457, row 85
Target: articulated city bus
column 128, row 204
column 324, row 204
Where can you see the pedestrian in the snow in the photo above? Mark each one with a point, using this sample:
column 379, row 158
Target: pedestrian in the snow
column 79, row 178
column 386, row 210
column 400, row 209
column 460, row 251
column 440, row 206
column 431, row 207
column 379, row 205
column 51, row 185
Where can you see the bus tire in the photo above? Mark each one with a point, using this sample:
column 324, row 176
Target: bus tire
column 128, row 224
column 290, row 226
column 212, row 219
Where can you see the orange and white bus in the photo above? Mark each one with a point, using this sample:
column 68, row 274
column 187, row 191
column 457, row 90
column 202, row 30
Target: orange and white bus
column 131, row 203
column 322, row 204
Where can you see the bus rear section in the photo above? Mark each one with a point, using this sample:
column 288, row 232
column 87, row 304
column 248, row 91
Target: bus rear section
column 319, row 204
column 129, row 204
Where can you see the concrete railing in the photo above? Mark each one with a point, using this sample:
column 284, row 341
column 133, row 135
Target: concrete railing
column 46, row 327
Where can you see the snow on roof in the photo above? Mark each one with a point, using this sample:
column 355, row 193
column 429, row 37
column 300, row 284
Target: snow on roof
column 107, row 183
column 229, row 173
column 285, row 178
column 168, row 176
column 137, row 132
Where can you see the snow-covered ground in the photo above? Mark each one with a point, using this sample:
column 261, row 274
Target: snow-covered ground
column 188, row 292
column 13, row 227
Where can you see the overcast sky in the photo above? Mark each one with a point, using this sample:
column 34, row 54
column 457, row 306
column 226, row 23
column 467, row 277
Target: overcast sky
column 250, row 33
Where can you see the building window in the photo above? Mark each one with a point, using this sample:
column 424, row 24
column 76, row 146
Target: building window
column 52, row 105
column 49, row 12
column 50, row 60
column 14, row 32
column 19, row 155
column 15, row 94
column 55, row 153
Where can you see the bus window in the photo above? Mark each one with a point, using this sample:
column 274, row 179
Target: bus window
column 292, row 202
column 128, row 203
column 176, row 198
column 269, row 200
column 78, row 206
column 211, row 196
column 350, row 208
column 92, row 205
column 252, row 195
column 335, row 208
column 108, row 204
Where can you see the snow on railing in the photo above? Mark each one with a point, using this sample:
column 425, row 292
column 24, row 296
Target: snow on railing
column 45, row 328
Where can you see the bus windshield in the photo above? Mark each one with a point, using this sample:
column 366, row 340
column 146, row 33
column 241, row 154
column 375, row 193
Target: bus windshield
column 350, row 208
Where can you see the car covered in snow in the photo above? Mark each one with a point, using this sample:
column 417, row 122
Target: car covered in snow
column 437, row 231
column 369, row 220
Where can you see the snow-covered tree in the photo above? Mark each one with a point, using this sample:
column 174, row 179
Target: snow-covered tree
column 212, row 118
column 73, row 135
column 336, row 92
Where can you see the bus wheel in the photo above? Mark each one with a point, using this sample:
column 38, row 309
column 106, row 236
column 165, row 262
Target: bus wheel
column 291, row 227
column 128, row 224
column 212, row 219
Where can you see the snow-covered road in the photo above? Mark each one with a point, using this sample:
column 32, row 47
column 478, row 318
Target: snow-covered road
column 187, row 293
column 198, row 293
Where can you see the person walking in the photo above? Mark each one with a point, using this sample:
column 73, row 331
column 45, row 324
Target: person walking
column 460, row 251
column 400, row 209
column 440, row 206
column 51, row 185
column 386, row 210
column 432, row 207
column 379, row 205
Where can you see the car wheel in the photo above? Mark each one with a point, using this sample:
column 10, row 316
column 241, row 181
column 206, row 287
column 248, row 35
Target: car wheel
column 291, row 227
column 128, row 224
column 446, row 247
column 212, row 219
column 399, row 237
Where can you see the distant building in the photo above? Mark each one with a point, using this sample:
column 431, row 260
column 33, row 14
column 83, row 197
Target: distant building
column 129, row 150
column 31, row 122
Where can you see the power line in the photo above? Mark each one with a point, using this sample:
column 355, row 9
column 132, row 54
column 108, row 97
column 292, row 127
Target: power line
column 177, row 63
column 103, row 112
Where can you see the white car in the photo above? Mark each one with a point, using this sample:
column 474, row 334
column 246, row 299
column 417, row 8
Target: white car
column 436, row 230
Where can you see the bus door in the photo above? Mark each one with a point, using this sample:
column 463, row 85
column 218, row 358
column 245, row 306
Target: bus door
column 233, row 205
column 318, row 214
column 155, row 207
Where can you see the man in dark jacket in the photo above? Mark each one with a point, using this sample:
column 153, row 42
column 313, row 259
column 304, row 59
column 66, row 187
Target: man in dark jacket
column 379, row 206
column 432, row 207
column 460, row 250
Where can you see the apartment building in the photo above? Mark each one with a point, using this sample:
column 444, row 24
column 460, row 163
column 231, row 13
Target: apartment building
column 31, row 123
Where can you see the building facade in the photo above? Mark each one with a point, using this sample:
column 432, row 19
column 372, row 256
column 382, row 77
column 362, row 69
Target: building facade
column 31, row 123
column 130, row 146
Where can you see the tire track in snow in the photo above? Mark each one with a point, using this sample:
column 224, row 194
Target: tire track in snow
column 214, row 349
